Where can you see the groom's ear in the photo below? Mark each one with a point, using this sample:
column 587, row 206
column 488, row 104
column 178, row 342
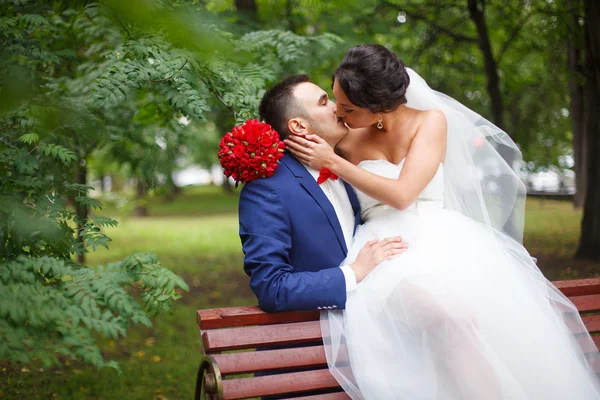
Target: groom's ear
column 298, row 126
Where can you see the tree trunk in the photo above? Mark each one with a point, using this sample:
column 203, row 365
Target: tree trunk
column 82, row 211
column 246, row 5
column 289, row 9
column 172, row 189
column 227, row 186
column 477, row 15
column 140, row 209
column 576, row 104
column 579, row 139
column 223, row 123
column 589, row 244
column 101, row 177
column 249, row 11
column 116, row 183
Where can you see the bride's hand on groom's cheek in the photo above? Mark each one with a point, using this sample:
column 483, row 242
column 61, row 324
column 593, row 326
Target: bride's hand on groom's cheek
column 311, row 150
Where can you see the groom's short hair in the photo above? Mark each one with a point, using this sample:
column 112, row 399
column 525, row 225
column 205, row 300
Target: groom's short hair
column 278, row 105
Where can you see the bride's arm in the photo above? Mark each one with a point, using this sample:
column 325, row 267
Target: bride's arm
column 422, row 162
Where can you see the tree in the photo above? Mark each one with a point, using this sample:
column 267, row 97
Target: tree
column 50, row 305
column 111, row 80
column 522, row 43
column 475, row 10
column 589, row 245
column 576, row 94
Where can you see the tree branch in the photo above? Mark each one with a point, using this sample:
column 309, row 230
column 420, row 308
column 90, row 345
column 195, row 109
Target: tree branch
column 218, row 96
column 427, row 43
column 428, row 5
column 513, row 36
column 4, row 46
column 439, row 28
column 117, row 19
column 123, row 26
column 168, row 78
column 12, row 146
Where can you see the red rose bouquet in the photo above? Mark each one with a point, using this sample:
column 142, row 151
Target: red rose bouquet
column 250, row 151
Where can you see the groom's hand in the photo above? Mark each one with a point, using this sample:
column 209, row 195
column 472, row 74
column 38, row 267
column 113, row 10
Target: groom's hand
column 374, row 253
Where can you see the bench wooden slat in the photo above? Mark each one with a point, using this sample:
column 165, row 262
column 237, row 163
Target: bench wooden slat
column 590, row 302
column 259, row 361
column 278, row 384
column 591, row 322
column 578, row 287
column 250, row 315
column 594, row 361
column 328, row 396
column 258, row 336
column 587, row 347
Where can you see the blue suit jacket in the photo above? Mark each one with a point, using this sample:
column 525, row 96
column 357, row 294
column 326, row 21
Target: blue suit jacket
column 292, row 241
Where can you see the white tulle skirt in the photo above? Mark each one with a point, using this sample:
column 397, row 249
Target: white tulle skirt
column 464, row 314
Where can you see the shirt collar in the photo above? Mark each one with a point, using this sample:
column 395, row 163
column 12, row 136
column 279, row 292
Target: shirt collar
column 312, row 171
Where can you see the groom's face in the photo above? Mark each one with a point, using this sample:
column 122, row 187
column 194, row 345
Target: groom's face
column 320, row 113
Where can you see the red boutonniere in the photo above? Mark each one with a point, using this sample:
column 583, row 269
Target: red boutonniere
column 250, row 151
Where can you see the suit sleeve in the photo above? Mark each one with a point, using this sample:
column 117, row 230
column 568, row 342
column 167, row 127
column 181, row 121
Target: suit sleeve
column 265, row 232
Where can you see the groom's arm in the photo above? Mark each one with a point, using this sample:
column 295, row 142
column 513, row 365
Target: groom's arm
column 266, row 241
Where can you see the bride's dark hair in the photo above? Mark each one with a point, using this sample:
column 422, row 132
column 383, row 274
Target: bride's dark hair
column 373, row 77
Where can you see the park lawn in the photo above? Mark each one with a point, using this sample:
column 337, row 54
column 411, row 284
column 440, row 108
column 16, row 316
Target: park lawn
column 552, row 230
column 199, row 241
column 551, row 227
column 195, row 201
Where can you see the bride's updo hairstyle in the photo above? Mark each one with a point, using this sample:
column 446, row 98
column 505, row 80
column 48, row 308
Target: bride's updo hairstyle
column 373, row 77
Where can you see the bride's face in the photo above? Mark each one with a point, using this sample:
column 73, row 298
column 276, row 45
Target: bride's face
column 353, row 116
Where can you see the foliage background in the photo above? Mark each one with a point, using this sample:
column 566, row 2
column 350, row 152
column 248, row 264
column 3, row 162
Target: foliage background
column 135, row 91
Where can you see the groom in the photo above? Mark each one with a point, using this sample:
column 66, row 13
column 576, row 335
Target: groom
column 295, row 231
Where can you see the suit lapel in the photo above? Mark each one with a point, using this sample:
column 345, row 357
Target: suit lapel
column 355, row 204
column 310, row 185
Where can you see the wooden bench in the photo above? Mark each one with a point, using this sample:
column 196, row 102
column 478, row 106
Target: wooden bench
column 229, row 336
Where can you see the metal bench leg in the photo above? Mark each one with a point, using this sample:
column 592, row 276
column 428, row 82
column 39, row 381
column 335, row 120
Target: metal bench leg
column 209, row 378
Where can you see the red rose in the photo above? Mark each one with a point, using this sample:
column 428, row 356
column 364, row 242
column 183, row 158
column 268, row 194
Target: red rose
column 239, row 151
column 266, row 142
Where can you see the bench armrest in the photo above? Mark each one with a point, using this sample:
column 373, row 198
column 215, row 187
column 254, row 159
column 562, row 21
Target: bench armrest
column 209, row 378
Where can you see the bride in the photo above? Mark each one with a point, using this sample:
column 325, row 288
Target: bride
column 465, row 313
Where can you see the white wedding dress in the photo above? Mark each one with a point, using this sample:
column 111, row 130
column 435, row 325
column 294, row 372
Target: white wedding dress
column 463, row 314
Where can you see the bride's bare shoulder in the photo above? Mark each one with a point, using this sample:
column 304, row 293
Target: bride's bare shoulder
column 432, row 118
column 432, row 124
column 432, row 129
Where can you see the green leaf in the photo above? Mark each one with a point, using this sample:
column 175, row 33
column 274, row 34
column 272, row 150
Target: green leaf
column 30, row 138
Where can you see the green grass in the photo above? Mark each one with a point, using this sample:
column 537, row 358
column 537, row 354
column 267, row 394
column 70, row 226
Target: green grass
column 196, row 201
column 551, row 228
column 196, row 236
column 182, row 243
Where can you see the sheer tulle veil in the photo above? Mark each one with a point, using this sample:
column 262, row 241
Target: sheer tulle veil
column 480, row 183
column 480, row 180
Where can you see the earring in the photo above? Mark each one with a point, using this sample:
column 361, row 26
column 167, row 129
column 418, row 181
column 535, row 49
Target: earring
column 380, row 122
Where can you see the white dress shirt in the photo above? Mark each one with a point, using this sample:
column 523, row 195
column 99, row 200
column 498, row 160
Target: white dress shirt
column 338, row 197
